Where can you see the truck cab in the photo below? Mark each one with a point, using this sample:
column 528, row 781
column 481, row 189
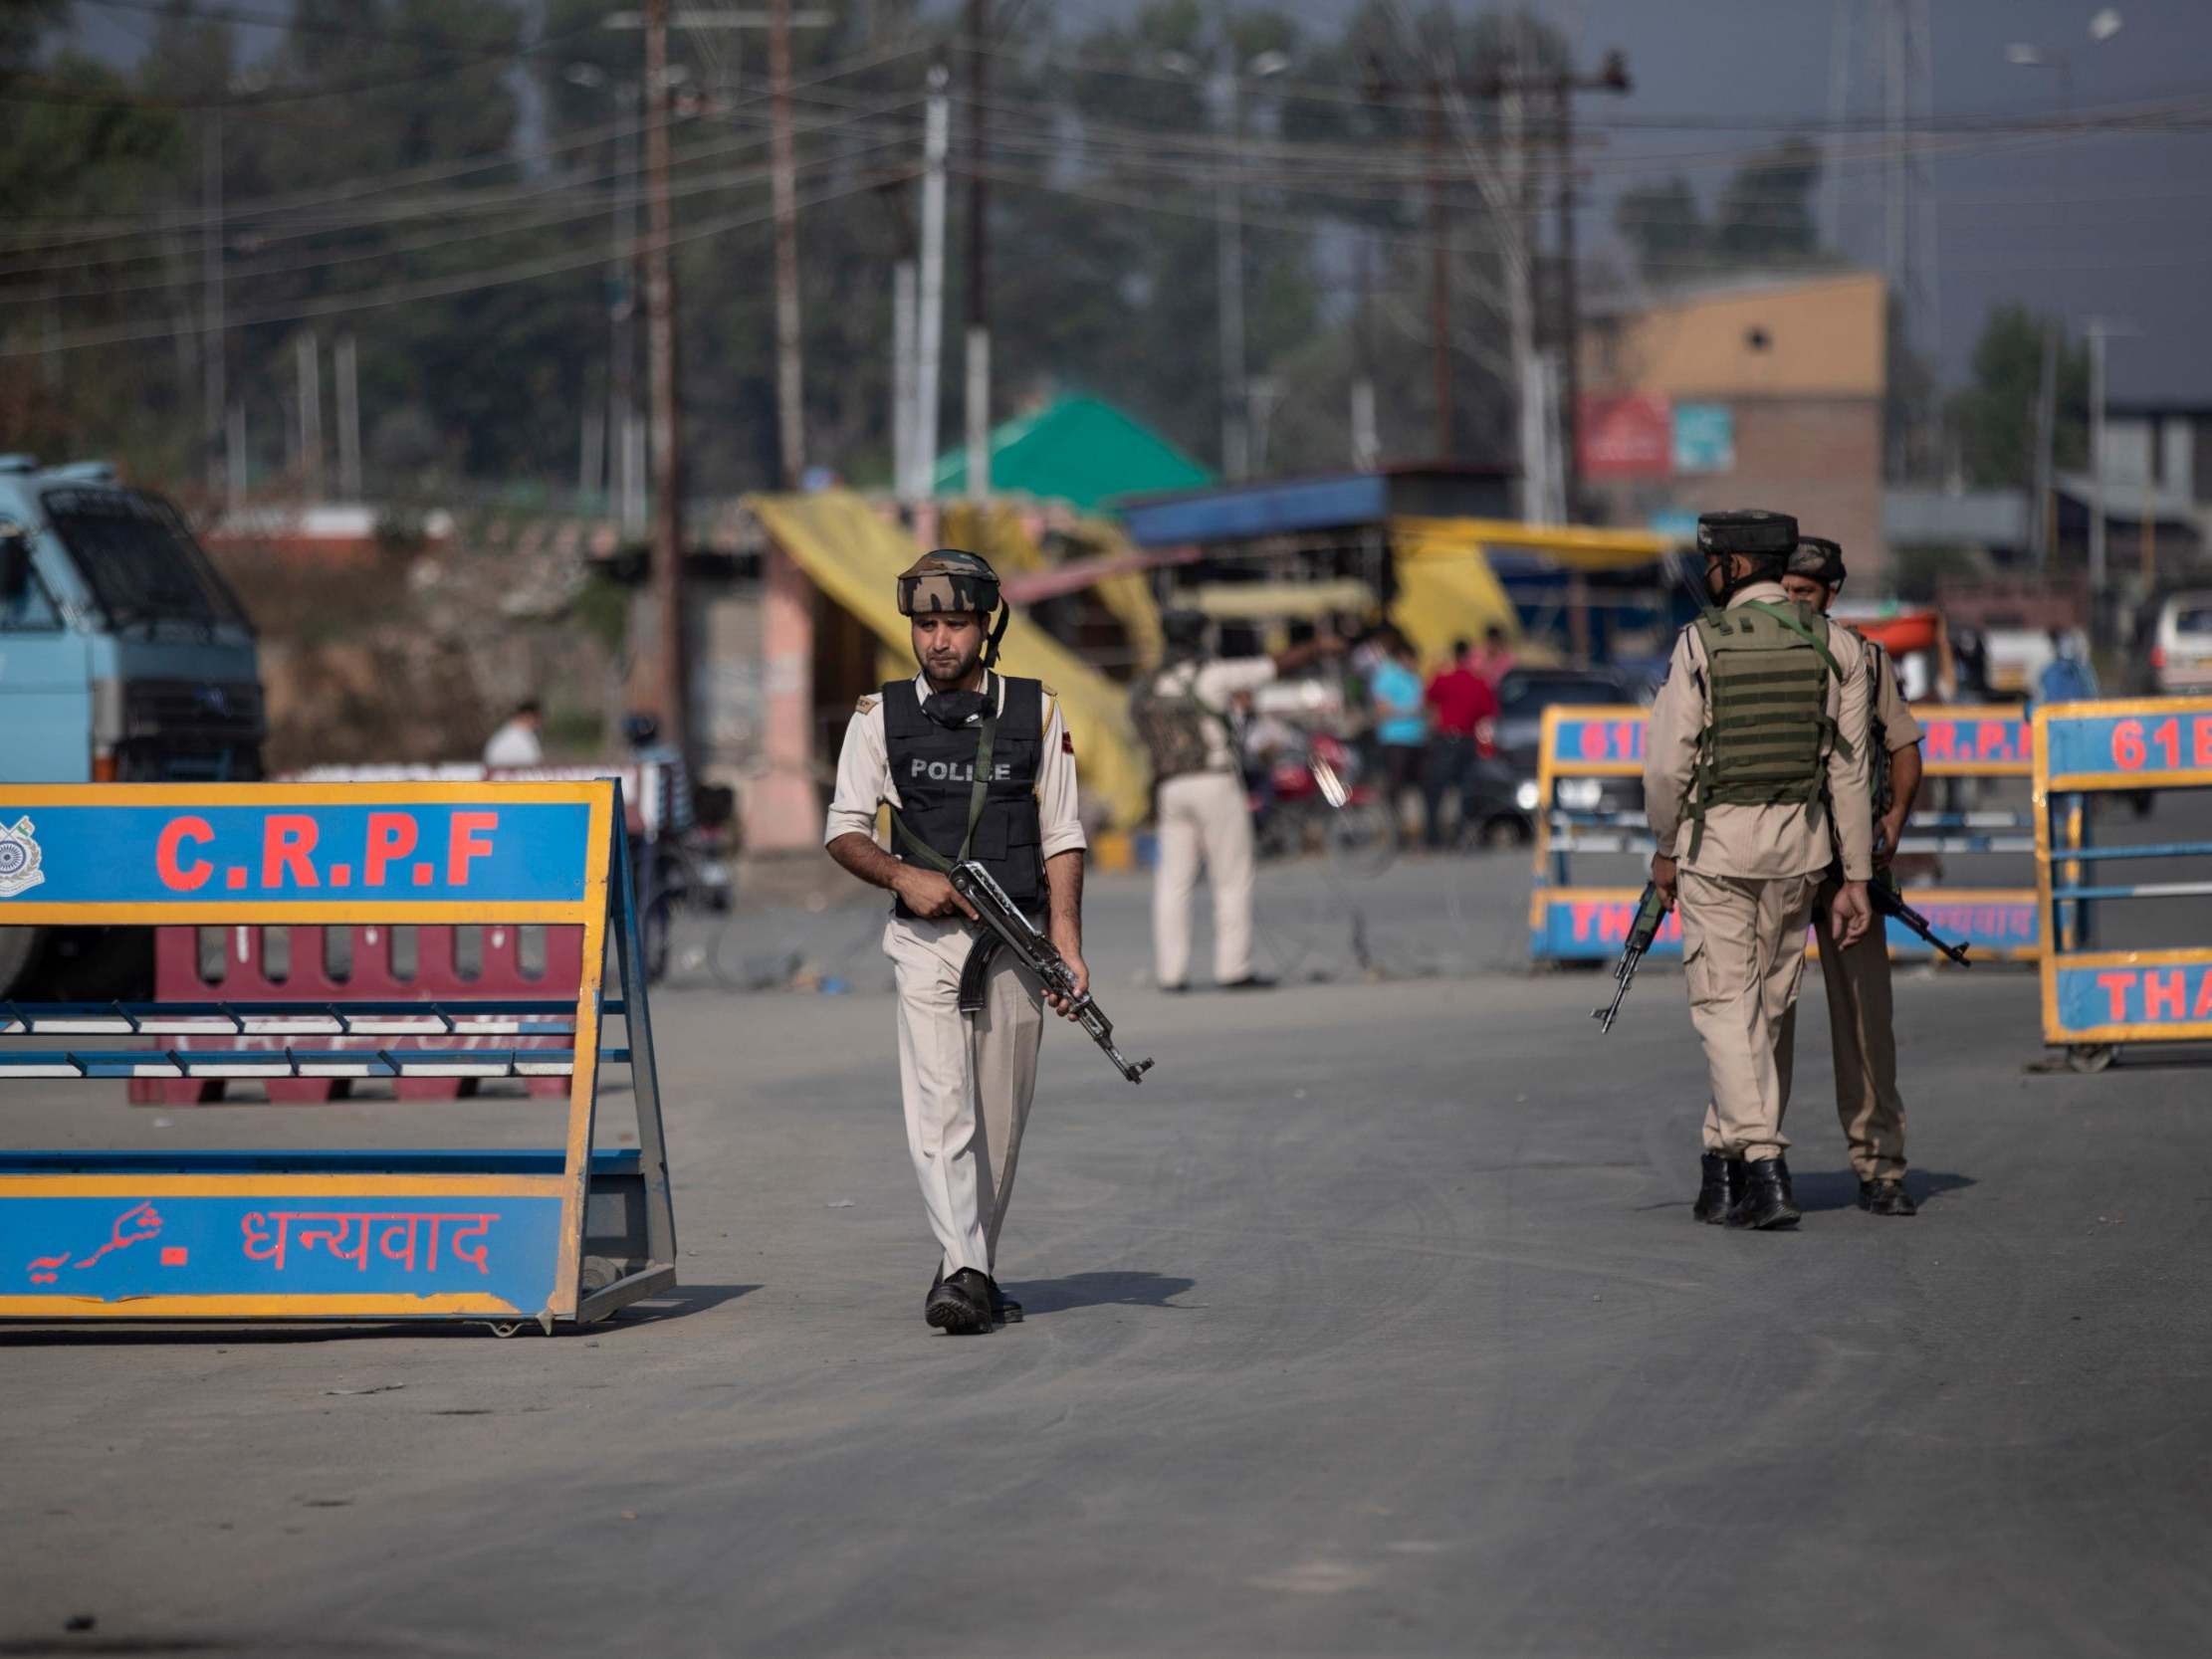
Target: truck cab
column 123, row 655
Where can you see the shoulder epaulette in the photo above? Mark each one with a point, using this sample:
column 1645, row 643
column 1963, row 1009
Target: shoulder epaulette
column 1049, row 690
column 867, row 702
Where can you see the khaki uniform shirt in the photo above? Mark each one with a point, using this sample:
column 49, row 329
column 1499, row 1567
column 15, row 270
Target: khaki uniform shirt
column 865, row 776
column 1759, row 841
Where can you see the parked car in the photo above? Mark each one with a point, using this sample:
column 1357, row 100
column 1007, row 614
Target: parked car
column 1507, row 799
column 2181, row 649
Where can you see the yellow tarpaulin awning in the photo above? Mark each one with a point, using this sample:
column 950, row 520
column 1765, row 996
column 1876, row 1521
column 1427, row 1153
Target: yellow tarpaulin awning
column 1446, row 589
column 853, row 554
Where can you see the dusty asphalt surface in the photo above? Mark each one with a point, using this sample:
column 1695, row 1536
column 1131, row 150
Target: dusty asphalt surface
column 1373, row 1324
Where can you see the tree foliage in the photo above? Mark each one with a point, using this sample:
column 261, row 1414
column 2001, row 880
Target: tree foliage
column 1763, row 217
column 449, row 181
column 1994, row 419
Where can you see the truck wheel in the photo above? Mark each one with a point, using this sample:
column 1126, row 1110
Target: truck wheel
column 18, row 947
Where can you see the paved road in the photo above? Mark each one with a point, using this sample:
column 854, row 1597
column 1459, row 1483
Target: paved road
column 1373, row 1324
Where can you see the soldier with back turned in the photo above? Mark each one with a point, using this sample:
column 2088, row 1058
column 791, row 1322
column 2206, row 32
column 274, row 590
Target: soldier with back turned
column 1757, row 739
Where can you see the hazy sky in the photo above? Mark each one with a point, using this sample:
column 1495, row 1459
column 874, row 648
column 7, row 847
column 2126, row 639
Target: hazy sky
column 2098, row 225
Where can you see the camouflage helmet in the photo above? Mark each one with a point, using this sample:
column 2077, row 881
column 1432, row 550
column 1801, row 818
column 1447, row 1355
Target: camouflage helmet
column 947, row 579
column 951, row 580
column 1818, row 559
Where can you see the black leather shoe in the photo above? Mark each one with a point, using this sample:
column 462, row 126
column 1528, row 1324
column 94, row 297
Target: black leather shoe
column 960, row 1306
column 1250, row 982
column 1004, row 1309
column 1767, row 1202
column 1887, row 1198
column 1719, row 1187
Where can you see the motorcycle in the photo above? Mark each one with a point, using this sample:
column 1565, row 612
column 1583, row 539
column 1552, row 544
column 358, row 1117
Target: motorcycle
column 1319, row 792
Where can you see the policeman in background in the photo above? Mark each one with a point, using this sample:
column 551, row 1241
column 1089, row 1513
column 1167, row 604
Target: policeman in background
column 973, row 765
column 1756, row 741
column 1860, row 1015
column 1182, row 712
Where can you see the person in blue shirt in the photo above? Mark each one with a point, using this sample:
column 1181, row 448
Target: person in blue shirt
column 1394, row 694
column 2065, row 678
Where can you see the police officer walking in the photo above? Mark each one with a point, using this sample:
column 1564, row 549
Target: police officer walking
column 1756, row 741
column 973, row 765
column 1859, row 997
column 1182, row 713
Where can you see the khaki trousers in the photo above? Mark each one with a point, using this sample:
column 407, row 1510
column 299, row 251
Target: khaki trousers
column 1203, row 811
column 966, row 1082
column 1861, row 1022
column 1743, row 950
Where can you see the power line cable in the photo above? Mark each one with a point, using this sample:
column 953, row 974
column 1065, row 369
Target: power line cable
column 339, row 305
column 565, row 214
column 369, row 184
column 467, row 202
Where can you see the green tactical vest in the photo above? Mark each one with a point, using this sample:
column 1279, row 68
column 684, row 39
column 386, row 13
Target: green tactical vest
column 1767, row 667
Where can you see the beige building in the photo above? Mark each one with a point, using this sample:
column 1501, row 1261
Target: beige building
column 1760, row 391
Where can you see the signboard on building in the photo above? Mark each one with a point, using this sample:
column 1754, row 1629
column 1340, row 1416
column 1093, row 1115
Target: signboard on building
column 1625, row 436
column 1704, row 438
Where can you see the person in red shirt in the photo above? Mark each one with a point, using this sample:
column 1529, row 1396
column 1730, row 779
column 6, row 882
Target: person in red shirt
column 1492, row 662
column 1460, row 700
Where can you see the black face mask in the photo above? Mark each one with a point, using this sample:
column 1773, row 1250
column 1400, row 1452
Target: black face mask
column 957, row 709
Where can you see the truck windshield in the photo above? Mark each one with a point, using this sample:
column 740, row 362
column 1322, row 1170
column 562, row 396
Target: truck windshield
column 139, row 560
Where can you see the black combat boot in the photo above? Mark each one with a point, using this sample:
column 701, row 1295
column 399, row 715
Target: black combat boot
column 1719, row 1187
column 1767, row 1202
column 1887, row 1198
column 960, row 1306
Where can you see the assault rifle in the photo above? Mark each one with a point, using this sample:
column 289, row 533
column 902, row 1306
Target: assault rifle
column 1651, row 910
column 1005, row 928
column 1883, row 893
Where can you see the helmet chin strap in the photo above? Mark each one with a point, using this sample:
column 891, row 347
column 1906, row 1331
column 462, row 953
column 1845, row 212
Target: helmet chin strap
column 1761, row 571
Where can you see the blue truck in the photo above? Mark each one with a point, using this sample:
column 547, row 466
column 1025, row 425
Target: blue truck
column 125, row 658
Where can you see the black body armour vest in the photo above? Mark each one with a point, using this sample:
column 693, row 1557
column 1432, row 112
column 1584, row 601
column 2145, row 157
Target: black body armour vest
column 934, row 768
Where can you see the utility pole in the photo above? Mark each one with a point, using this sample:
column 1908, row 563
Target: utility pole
column 978, row 403
column 1561, row 87
column 1440, row 273
column 930, row 336
column 905, row 286
column 212, row 355
column 790, row 419
column 234, row 458
column 1235, row 415
column 344, row 369
column 2096, row 472
column 308, row 356
column 622, row 423
column 2040, row 532
column 2100, row 329
column 1367, row 449
column 660, row 348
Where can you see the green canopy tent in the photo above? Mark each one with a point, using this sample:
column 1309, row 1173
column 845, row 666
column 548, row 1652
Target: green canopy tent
column 1077, row 450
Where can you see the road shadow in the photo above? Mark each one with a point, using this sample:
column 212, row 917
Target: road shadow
column 1098, row 1290
column 674, row 1303
column 677, row 1302
column 1837, row 1189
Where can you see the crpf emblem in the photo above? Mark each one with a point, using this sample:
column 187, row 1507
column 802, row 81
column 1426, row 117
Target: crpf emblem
column 19, row 859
